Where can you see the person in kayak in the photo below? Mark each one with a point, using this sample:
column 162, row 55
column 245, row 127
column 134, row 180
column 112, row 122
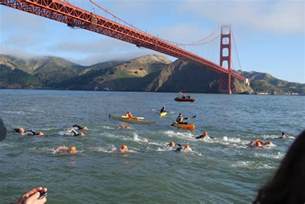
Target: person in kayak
column 128, row 115
column 66, row 150
column 180, row 119
column 163, row 110
column 123, row 148
column 203, row 136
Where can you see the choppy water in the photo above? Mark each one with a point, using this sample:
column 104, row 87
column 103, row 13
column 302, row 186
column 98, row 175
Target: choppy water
column 221, row 170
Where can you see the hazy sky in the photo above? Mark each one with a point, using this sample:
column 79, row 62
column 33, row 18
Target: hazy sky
column 269, row 34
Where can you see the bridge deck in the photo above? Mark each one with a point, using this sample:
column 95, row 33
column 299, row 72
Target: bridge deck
column 73, row 16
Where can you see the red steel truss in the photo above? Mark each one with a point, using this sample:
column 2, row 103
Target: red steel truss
column 73, row 16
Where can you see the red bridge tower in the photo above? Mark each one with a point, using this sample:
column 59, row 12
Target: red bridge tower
column 225, row 53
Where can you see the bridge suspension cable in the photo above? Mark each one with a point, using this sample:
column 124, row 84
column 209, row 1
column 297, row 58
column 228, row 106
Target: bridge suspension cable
column 98, row 5
column 205, row 40
column 236, row 51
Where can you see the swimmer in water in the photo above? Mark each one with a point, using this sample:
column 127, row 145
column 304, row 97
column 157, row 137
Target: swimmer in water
column 36, row 133
column 23, row 131
column 203, row 136
column 124, row 126
column 183, row 148
column 260, row 143
column 66, row 150
column 76, row 130
column 123, row 149
column 283, row 136
column 172, row 144
column 79, row 127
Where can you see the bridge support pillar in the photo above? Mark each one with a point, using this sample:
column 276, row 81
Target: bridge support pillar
column 225, row 53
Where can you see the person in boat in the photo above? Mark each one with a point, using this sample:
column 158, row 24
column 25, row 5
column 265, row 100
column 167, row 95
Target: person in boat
column 129, row 115
column 180, row 119
column 66, row 150
column 204, row 135
column 163, row 110
column 123, row 148
column 183, row 148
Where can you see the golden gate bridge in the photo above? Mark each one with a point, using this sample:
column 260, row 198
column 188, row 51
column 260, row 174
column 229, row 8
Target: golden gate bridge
column 65, row 12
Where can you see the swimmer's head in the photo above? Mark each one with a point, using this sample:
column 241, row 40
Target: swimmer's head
column 187, row 148
column 258, row 143
column 72, row 150
column 171, row 144
column 123, row 148
column 39, row 133
column 19, row 130
column 204, row 133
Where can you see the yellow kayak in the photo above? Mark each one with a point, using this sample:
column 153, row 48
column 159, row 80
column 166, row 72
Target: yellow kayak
column 137, row 120
column 189, row 126
column 162, row 114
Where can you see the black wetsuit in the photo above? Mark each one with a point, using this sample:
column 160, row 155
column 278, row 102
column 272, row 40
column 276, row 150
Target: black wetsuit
column 32, row 132
column 75, row 133
column 162, row 110
column 179, row 148
column 78, row 127
column 199, row 137
column 180, row 120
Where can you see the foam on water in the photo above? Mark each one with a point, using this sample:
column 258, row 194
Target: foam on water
column 109, row 149
column 106, row 127
column 290, row 137
column 181, row 135
column 251, row 165
column 15, row 112
column 277, row 155
column 229, row 141
column 139, row 139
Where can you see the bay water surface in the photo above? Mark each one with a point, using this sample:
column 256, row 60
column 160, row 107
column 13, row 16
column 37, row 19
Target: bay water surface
column 219, row 170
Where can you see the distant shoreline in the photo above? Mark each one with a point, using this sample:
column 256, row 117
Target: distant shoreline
column 171, row 92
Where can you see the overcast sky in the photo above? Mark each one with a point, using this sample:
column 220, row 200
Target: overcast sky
column 269, row 34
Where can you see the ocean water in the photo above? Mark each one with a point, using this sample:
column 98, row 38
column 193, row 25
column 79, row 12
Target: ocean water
column 219, row 170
